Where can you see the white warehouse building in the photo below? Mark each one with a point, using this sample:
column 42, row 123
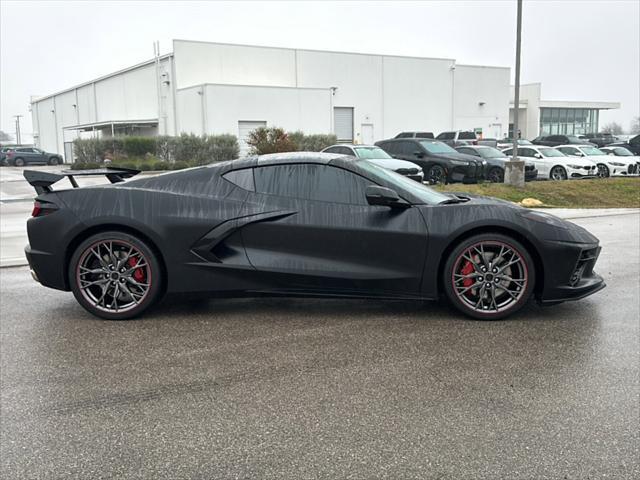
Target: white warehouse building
column 213, row 88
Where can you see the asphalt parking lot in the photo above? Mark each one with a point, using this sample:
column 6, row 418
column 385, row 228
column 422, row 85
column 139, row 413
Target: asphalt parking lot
column 282, row 388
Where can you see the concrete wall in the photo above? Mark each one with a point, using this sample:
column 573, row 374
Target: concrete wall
column 529, row 119
column 216, row 109
column 481, row 99
column 131, row 94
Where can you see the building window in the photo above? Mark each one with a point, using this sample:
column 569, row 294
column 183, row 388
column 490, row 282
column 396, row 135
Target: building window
column 568, row 121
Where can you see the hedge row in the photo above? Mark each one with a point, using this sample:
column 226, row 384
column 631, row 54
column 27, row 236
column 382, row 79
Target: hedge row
column 274, row 139
column 187, row 148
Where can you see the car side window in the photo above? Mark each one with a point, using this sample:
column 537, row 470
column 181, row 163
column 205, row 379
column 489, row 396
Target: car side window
column 389, row 147
column 241, row 178
column 310, row 181
column 332, row 150
column 446, row 136
column 408, row 148
column 404, row 135
column 568, row 150
column 468, row 151
column 526, row 152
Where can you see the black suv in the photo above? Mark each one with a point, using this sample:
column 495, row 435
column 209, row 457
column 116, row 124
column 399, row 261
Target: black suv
column 600, row 139
column 414, row 135
column 556, row 140
column 440, row 162
column 633, row 145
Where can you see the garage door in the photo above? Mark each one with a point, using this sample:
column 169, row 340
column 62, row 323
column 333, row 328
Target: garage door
column 244, row 128
column 343, row 123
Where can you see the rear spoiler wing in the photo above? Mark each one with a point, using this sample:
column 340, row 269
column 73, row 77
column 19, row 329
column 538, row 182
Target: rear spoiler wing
column 42, row 181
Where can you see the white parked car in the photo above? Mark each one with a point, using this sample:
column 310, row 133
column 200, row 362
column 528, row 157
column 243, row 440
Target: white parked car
column 379, row 157
column 553, row 164
column 607, row 165
column 625, row 153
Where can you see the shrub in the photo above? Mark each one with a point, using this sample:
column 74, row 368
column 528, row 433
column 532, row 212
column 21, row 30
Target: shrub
column 179, row 165
column 160, row 165
column 313, row 142
column 85, row 165
column 270, row 140
column 138, row 146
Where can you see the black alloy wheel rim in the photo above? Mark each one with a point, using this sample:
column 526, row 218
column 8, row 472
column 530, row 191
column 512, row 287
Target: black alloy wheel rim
column 113, row 276
column 490, row 277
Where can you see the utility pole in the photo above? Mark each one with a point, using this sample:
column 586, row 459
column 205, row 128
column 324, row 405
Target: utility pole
column 514, row 170
column 18, row 140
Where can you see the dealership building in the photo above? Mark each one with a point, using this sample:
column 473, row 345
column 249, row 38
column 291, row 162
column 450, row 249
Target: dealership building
column 214, row 88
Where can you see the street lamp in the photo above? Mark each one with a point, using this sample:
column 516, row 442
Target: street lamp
column 514, row 170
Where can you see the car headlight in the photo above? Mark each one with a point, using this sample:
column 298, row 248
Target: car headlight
column 617, row 164
column 574, row 166
column 461, row 163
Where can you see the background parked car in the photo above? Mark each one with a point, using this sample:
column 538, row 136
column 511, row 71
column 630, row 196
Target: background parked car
column 414, row 135
column 494, row 170
column 439, row 161
column 600, row 139
column 3, row 154
column 458, row 138
column 21, row 156
column 508, row 142
column 555, row 140
column 607, row 165
column 379, row 157
column 633, row 145
column 622, row 152
column 553, row 164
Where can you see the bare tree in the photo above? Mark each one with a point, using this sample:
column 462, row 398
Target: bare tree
column 5, row 137
column 613, row 128
column 635, row 126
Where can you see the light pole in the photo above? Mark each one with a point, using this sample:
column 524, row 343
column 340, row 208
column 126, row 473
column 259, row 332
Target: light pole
column 514, row 170
column 18, row 139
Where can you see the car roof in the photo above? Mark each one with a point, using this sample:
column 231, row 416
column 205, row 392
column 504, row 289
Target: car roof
column 476, row 147
column 352, row 145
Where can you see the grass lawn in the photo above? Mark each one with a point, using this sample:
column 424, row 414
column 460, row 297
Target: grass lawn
column 592, row 193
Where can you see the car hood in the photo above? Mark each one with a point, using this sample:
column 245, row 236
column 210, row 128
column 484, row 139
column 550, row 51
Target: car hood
column 458, row 156
column 393, row 163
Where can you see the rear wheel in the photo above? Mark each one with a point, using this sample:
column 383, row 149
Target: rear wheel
column 495, row 175
column 603, row 170
column 436, row 174
column 115, row 275
column 19, row 162
column 558, row 173
column 489, row 276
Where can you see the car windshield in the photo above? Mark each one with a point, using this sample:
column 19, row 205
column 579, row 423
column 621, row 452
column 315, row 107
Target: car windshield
column 551, row 152
column 622, row 152
column 490, row 152
column 371, row 152
column 437, row 147
column 423, row 193
column 592, row 151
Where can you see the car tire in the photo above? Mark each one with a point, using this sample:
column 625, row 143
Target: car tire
column 19, row 162
column 485, row 290
column 603, row 170
column 436, row 174
column 115, row 276
column 54, row 161
column 496, row 175
column 558, row 173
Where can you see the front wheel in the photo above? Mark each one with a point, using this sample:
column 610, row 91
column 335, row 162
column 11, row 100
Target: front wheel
column 558, row 173
column 436, row 175
column 603, row 170
column 496, row 175
column 115, row 276
column 54, row 161
column 489, row 276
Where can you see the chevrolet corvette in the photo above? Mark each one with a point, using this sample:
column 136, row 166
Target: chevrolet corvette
column 297, row 224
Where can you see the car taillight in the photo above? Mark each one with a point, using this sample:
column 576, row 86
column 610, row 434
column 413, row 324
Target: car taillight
column 43, row 208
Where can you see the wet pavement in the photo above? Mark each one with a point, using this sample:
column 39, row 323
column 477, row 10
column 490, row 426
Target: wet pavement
column 290, row 388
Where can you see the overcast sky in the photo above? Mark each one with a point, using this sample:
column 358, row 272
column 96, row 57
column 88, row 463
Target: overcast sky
column 579, row 50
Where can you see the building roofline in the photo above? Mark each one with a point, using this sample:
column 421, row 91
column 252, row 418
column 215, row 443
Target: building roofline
column 313, row 50
column 482, row 66
column 103, row 77
column 579, row 104
column 286, row 87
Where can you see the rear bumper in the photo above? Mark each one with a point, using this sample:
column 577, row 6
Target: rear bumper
column 46, row 268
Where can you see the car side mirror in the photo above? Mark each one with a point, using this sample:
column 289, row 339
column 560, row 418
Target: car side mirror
column 537, row 155
column 579, row 154
column 418, row 154
column 384, row 196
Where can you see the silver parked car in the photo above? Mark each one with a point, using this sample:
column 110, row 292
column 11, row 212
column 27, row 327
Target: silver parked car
column 379, row 157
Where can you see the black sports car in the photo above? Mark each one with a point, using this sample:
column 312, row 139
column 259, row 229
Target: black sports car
column 305, row 224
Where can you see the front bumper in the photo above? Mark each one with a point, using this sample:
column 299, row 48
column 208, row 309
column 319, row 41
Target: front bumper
column 570, row 275
column 466, row 174
column 582, row 172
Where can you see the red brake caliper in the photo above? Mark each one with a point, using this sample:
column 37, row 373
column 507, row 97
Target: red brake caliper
column 466, row 270
column 138, row 273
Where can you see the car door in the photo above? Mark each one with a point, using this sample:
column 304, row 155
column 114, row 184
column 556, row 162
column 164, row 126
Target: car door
column 315, row 232
column 39, row 156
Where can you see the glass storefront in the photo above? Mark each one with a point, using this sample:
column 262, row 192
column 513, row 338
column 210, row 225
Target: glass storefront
column 568, row 121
